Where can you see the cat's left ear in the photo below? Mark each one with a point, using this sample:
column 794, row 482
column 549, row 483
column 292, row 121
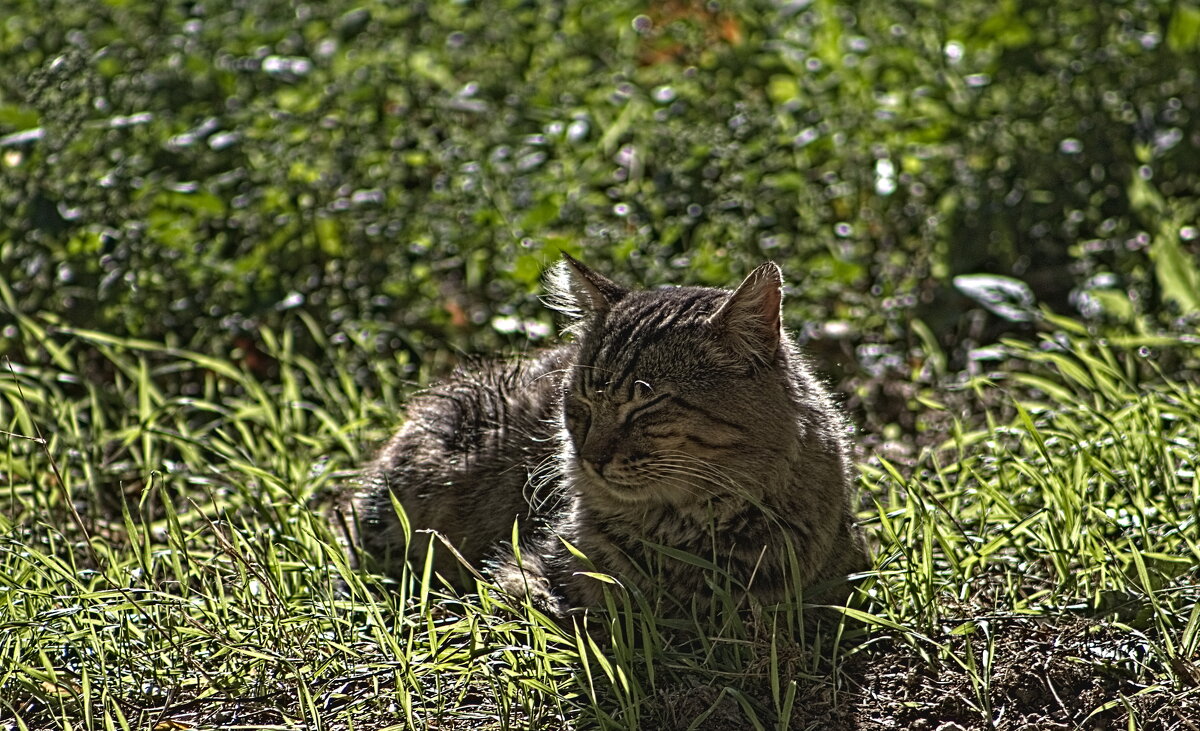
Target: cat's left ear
column 576, row 290
column 751, row 318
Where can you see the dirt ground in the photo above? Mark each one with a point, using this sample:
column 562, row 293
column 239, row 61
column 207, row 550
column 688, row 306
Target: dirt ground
column 1025, row 674
column 1070, row 674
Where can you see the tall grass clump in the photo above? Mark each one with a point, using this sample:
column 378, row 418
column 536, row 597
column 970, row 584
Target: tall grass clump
column 166, row 558
column 165, row 555
column 1073, row 511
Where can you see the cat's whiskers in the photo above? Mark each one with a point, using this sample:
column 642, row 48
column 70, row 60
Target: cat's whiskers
column 712, row 484
column 649, row 472
column 711, row 472
column 552, row 374
column 543, row 487
column 729, row 489
column 696, row 486
column 726, row 471
column 704, row 471
column 567, row 370
column 688, row 486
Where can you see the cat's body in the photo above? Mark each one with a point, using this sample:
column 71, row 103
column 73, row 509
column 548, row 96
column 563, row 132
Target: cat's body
column 476, row 452
column 680, row 417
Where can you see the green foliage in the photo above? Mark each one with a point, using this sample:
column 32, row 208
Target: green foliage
column 189, row 171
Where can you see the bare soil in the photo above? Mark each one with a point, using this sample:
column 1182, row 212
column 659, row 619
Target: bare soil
column 1007, row 674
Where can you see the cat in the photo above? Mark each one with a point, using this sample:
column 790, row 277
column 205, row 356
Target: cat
column 680, row 419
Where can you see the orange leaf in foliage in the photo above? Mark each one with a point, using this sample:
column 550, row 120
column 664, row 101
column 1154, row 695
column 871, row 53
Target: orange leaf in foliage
column 718, row 27
column 458, row 316
column 731, row 30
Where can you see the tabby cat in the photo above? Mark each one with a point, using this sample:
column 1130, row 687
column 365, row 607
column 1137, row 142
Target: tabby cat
column 679, row 417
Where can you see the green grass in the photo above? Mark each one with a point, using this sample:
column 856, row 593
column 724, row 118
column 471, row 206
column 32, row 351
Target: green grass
column 277, row 238
column 166, row 562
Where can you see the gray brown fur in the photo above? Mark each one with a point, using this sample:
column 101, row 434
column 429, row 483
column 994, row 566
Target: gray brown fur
column 681, row 417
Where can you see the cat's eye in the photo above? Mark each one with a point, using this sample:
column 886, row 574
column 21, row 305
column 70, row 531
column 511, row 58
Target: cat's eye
column 577, row 409
column 637, row 408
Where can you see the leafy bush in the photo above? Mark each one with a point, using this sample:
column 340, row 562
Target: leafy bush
column 188, row 171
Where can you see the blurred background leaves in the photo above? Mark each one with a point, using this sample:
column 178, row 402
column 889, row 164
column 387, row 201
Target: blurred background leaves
column 189, row 171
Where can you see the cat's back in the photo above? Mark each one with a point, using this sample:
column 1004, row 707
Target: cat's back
column 486, row 406
column 475, row 452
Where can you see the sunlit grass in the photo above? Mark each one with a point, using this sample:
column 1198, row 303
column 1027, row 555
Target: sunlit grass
column 166, row 555
column 1076, row 500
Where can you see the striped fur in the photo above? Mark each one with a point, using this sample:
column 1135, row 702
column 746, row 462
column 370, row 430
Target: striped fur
column 680, row 417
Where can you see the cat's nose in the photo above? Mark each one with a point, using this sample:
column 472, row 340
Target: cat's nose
column 596, row 454
column 599, row 446
column 598, row 461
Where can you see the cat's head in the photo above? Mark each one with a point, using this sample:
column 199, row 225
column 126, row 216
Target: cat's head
column 677, row 394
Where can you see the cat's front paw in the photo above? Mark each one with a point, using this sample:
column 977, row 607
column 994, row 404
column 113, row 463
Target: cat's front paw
column 526, row 581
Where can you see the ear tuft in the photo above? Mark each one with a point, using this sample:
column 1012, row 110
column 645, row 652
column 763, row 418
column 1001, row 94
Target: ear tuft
column 751, row 318
column 576, row 291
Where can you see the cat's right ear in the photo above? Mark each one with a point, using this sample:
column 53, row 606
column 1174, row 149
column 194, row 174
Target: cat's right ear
column 575, row 290
column 751, row 319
